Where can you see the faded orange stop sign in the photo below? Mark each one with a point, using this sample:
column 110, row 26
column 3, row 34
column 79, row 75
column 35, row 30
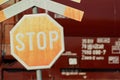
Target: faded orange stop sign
column 37, row 41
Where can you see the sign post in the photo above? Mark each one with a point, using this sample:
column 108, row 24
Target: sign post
column 37, row 41
column 39, row 74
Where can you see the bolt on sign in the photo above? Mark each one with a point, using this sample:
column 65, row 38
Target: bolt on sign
column 37, row 41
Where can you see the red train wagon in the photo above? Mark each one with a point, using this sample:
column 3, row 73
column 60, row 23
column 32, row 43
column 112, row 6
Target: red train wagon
column 91, row 46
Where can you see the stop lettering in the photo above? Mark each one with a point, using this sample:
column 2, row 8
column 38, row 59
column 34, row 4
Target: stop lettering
column 41, row 40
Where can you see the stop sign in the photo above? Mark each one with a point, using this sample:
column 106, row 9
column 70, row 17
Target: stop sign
column 37, row 41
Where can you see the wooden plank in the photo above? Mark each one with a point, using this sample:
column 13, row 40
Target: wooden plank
column 15, row 9
column 73, row 13
column 52, row 6
column 3, row 1
column 61, row 9
column 2, row 16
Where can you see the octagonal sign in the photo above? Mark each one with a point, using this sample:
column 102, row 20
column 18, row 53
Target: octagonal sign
column 37, row 41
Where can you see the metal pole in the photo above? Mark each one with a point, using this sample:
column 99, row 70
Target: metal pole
column 39, row 74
